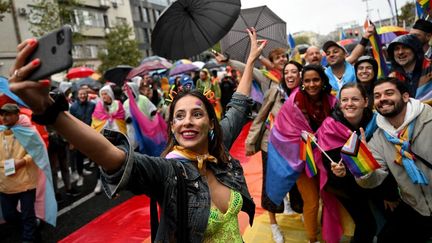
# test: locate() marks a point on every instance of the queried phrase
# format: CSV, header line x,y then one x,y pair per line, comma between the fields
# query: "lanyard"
x,y
6,146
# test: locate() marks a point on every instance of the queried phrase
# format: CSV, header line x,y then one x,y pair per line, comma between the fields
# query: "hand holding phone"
x,y
54,51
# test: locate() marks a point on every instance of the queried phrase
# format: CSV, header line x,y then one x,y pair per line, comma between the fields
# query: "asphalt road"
x,y
73,212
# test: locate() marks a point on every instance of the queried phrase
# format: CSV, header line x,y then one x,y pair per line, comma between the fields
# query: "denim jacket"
x,y
155,177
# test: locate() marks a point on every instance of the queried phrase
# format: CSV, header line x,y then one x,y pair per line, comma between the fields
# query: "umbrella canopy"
x,y
79,72
147,66
212,64
199,64
117,74
188,27
162,60
268,26
388,33
86,81
182,66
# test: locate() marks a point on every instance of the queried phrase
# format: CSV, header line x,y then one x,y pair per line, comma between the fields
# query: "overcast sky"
x,y
322,16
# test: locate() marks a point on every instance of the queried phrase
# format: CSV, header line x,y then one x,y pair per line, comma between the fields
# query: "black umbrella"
x,y
268,26
86,81
118,74
188,27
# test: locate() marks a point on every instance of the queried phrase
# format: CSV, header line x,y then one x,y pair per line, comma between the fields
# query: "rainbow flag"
x,y
306,154
425,5
377,53
357,157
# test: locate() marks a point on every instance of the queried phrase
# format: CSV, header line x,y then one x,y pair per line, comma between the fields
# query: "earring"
x,y
211,135
302,87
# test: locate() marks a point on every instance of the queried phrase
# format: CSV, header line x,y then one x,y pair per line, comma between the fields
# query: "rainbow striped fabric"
x,y
425,4
377,52
357,157
306,154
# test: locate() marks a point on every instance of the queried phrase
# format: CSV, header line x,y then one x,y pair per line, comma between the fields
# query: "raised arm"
x,y
360,47
36,96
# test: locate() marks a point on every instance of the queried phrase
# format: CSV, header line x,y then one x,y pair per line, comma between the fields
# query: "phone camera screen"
x,y
60,37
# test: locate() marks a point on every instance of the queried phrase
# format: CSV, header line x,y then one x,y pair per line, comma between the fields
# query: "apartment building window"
x,y
120,2
121,21
156,14
136,15
145,17
139,34
89,18
146,35
85,51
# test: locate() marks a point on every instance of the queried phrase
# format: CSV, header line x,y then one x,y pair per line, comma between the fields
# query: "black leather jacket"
x,y
155,177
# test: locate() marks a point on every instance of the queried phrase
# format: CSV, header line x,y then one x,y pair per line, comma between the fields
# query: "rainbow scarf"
x,y
357,157
306,154
29,138
150,134
377,53
284,163
182,153
404,156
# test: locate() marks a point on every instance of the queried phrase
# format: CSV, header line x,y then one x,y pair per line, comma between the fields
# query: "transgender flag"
x,y
357,157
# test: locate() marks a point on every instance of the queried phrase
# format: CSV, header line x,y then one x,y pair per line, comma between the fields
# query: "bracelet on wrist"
x,y
51,113
364,41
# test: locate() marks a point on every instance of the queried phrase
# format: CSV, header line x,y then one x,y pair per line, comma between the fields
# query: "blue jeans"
x,y
27,217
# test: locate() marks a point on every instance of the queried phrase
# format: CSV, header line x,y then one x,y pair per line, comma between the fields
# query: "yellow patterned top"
x,y
224,227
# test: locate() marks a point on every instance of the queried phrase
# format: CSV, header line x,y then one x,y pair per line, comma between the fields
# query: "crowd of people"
x,y
171,143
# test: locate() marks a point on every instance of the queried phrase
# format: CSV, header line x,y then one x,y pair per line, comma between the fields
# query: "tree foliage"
x,y
120,49
4,8
49,15
407,14
301,40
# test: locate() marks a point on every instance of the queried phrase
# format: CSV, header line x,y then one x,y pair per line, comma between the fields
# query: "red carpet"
x,y
130,221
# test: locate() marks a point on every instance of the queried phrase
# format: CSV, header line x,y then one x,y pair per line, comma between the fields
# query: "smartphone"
x,y
55,53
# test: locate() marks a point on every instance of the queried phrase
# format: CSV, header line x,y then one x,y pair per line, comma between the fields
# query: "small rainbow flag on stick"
x,y
357,157
306,153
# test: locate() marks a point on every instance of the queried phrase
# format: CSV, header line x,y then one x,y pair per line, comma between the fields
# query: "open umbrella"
x,y
182,66
117,74
268,26
159,59
188,27
388,33
79,72
86,81
147,66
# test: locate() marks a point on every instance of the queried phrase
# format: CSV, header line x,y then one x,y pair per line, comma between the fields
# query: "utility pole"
x,y
368,10
396,10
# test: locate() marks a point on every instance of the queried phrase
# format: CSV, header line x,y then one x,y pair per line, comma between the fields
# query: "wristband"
x,y
51,113
364,41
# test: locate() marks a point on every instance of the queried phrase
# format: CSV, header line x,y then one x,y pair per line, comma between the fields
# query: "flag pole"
x,y
322,150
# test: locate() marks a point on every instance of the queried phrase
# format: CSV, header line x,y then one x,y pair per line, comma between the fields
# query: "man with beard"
x,y
423,30
401,145
409,65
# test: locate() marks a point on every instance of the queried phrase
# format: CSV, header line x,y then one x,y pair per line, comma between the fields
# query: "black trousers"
x,y
27,217
406,225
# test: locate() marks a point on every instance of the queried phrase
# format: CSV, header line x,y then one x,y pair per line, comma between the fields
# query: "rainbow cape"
x,y
357,157
29,138
284,164
306,154
100,117
377,53
150,134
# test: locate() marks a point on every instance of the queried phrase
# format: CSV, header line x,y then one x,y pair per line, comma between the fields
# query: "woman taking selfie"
x,y
214,188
